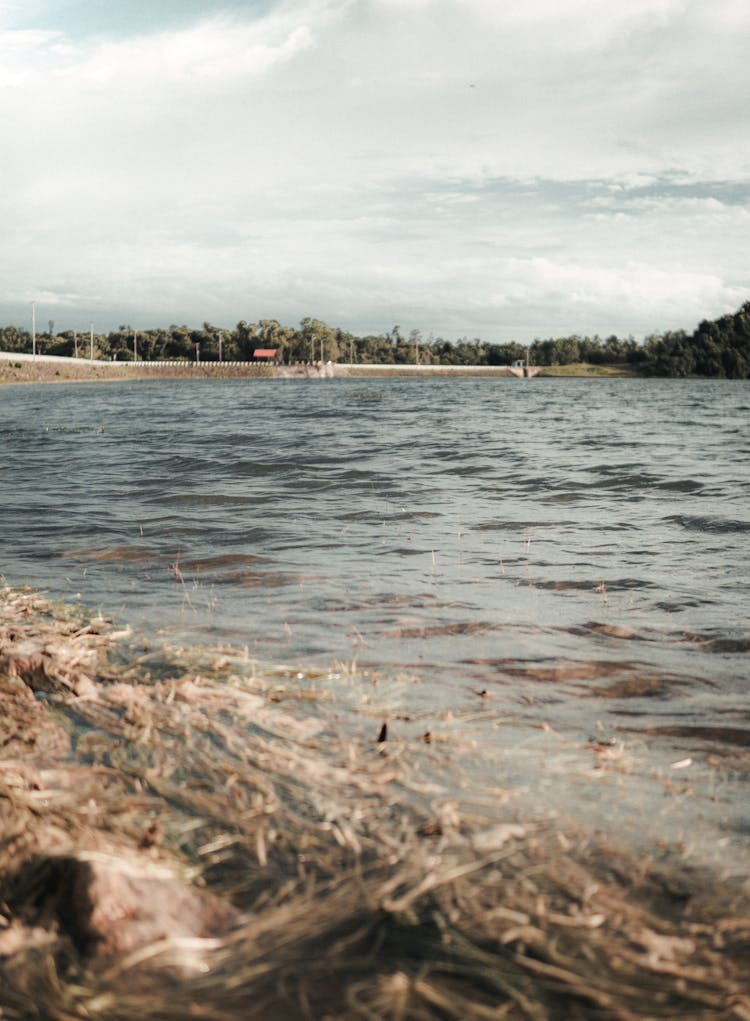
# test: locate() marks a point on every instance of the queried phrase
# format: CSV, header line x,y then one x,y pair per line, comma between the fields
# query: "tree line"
x,y
720,348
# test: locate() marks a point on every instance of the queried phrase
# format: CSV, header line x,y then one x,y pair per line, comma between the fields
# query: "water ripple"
x,y
481,535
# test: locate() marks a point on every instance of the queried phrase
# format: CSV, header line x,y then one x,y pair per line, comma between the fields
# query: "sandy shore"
x,y
183,836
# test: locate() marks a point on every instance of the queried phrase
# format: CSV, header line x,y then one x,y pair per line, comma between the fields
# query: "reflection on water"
x,y
506,537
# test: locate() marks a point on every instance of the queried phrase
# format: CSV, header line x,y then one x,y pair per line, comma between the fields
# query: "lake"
x,y
537,557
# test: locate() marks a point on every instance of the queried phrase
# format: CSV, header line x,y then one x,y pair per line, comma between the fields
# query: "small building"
x,y
265,354
519,364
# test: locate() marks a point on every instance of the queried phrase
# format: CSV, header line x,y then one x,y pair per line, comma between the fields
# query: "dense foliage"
x,y
720,348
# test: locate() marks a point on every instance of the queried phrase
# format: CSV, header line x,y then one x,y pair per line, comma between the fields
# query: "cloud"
x,y
217,50
431,159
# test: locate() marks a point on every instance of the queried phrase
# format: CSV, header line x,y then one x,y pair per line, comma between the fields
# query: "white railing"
x,y
16,356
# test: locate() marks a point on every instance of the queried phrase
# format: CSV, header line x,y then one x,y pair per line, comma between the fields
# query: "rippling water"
x,y
577,550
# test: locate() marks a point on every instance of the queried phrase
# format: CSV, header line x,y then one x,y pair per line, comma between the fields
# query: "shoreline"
x,y
27,371
188,835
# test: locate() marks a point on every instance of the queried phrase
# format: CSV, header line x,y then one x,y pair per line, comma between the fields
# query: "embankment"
x,y
48,369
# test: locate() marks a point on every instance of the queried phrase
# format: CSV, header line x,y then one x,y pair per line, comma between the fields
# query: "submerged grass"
x,y
183,836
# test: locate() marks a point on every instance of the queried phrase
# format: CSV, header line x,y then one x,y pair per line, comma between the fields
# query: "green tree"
x,y
244,339
14,339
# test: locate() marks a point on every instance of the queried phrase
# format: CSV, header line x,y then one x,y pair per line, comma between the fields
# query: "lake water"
x,y
573,553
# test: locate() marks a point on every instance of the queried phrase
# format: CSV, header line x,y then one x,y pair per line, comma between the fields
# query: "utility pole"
x,y
221,339
33,328
135,345
75,343
91,349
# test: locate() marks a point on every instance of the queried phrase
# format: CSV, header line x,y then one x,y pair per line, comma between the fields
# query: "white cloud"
x,y
384,158
217,50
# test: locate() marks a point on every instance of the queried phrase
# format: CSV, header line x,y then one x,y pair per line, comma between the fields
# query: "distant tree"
x,y
244,338
63,344
14,339
179,344
718,348
347,345
506,354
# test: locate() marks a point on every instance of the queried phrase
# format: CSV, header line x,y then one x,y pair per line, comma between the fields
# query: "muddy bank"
x,y
184,835
68,372
64,371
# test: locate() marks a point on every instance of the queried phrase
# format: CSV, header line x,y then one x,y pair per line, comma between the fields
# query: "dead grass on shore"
x,y
429,372
184,838
588,371
67,372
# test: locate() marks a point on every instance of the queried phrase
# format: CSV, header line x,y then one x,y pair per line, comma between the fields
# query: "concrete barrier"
x,y
328,369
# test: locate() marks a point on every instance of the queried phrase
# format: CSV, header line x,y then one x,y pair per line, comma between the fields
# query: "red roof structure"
x,y
264,352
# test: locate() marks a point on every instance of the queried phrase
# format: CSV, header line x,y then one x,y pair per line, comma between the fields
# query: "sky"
x,y
502,169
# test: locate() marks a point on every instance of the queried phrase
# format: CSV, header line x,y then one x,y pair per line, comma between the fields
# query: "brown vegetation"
x,y
69,372
182,837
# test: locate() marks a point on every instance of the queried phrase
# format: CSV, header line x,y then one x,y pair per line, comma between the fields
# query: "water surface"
x,y
573,553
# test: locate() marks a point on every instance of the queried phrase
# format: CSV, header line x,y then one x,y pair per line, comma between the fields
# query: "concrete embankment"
x,y
15,368
24,368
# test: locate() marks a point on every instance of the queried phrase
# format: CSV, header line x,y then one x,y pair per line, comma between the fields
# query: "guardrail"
x,y
16,356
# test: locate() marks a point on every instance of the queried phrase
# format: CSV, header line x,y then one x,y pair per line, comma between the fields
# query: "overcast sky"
x,y
507,169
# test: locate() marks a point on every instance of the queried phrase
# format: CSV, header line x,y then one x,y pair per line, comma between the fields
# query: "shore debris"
x,y
180,841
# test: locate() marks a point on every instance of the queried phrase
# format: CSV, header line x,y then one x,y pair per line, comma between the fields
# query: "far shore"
x,y
48,369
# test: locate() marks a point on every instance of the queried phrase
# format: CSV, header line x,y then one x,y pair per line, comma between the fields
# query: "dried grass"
x,y
198,842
